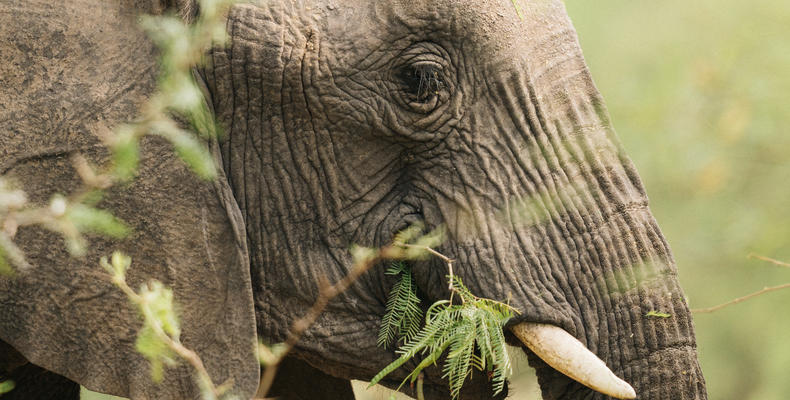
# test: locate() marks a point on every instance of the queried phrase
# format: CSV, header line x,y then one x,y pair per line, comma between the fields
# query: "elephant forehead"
x,y
499,32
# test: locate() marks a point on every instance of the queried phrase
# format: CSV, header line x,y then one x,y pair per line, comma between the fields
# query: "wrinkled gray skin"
x,y
330,140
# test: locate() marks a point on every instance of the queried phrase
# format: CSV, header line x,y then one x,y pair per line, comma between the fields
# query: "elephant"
x,y
344,123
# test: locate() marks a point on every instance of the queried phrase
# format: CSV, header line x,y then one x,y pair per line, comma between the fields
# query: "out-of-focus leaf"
x,y
11,199
268,355
202,121
171,35
11,256
125,153
6,386
405,236
433,238
118,264
76,245
182,93
155,351
5,267
195,155
362,254
159,300
88,219
658,314
189,148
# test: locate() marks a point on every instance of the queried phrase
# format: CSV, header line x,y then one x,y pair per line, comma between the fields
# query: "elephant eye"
x,y
423,80
423,85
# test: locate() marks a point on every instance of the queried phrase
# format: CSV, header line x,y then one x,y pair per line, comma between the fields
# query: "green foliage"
x,y
470,332
11,200
158,311
6,386
658,314
155,351
189,148
518,9
89,219
403,316
182,46
125,153
5,267
271,355
160,322
118,265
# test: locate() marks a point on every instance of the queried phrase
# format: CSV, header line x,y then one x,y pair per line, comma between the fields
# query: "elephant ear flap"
x,y
70,74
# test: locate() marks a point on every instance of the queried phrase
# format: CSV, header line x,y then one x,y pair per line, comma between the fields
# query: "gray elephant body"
x,y
344,123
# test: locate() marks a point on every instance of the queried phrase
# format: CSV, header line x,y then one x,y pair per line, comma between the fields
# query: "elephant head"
x,y
344,122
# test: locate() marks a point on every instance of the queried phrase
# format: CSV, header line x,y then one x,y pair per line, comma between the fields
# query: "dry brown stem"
x,y
190,356
751,295
326,293
741,299
770,260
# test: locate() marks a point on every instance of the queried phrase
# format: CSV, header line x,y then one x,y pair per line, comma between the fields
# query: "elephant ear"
x,y
70,71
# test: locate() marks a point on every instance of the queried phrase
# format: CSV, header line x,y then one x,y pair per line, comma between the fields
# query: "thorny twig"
x,y
770,260
740,299
764,290
326,293
449,261
174,344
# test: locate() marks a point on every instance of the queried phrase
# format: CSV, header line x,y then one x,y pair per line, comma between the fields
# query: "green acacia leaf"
x,y
125,153
658,314
403,316
89,219
155,351
458,329
5,267
191,150
6,386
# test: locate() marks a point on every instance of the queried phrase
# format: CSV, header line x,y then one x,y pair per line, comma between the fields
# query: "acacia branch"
x,y
326,293
449,261
740,299
770,260
173,344
751,295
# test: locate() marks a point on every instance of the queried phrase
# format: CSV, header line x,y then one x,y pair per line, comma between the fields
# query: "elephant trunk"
x,y
551,215
614,288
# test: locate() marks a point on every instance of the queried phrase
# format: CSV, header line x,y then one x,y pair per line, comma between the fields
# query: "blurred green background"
x,y
699,92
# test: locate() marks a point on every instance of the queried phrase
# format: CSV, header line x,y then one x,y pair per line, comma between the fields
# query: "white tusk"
x,y
566,354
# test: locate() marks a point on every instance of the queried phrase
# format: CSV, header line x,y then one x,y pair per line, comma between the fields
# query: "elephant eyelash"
x,y
423,80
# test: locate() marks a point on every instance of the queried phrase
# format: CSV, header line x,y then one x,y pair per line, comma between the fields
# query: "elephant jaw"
x,y
566,354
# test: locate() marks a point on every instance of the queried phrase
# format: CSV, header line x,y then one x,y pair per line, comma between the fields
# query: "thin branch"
x,y
328,292
770,260
190,356
741,299
420,381
325,295
449,261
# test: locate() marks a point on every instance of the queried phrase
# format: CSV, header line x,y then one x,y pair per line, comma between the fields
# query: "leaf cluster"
x,y
404,315
159,313
471,335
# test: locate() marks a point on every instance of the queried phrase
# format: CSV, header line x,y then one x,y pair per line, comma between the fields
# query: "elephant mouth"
x,y
559,349
568,355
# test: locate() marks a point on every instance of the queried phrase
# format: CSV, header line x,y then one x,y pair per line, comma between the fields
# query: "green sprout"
x,y
471,333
